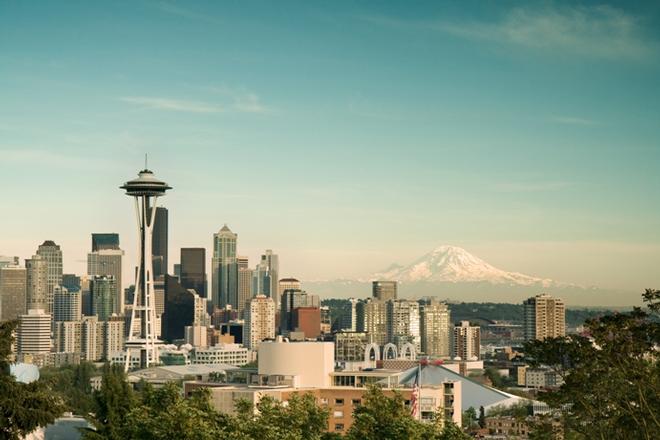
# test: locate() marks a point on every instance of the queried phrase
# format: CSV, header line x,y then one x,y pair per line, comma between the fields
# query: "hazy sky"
x,y
343,135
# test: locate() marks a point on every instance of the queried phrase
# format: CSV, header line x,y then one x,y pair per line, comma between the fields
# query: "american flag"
x,y
414,398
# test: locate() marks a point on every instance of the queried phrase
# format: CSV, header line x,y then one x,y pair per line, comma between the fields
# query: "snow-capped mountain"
x,y
456,265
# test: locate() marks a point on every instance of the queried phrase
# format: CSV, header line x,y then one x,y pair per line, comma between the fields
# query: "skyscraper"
x,y
37,283
372,319
34,332
179,309
259,321
66,305
106,259
348,317
193,270
146,189
13,292
104,295
53,256
245,275
101,241
435,328
225,269
467,340
266,276
403,323
544,317
160,237
384,290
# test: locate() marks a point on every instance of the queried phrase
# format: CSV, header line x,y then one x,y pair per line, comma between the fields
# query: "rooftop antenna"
x,y
145,161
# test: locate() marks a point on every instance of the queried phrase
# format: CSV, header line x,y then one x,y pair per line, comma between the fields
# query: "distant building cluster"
x,y
171,324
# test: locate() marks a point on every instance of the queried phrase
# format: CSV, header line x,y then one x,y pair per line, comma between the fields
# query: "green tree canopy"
x,y
612,374
23,407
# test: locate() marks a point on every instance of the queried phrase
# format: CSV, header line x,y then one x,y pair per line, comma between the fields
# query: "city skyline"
x,y
394,132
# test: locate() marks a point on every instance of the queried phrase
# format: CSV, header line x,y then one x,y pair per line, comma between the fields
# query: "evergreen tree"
x,y
23,407
611,377
482,417
113,402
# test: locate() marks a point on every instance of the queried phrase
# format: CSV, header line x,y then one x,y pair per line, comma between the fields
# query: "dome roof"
x,y
145,185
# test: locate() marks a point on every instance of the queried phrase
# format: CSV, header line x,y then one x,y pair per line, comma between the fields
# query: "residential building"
x,y
224,269
231,354
308,321
34,332
52,253
68,336
403,323
350,346
13,291
384,290
66,305
37,283
372,319
467,341
435,329
259,321
544,317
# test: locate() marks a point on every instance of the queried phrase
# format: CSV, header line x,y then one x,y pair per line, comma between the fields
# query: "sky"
x,y
345,136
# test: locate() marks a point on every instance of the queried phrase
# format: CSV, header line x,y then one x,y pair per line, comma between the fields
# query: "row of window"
x,y
340,402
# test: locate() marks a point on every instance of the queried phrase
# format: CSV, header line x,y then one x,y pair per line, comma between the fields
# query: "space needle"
x,y
142,334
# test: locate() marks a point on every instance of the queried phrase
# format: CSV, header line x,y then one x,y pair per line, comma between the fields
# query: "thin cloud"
x,y
242,100
599,31
172,104
521,187
573,120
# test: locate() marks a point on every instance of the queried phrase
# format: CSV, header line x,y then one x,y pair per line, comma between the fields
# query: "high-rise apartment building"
x,y
372,319
435,328
403,322
104,294
13,292
467,341
159,244
288,284
113,336
266,276
34,332
384,290
245,275
193,270
544,317
91,345
107,260
68,336
52,253
66,305
37,283
259,321
225,269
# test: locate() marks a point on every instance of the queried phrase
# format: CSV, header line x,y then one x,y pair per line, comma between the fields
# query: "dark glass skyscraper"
x,y
105,241
193,270
159,247
179,309
384,290
225,269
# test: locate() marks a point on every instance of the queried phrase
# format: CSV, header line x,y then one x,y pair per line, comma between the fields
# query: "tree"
x,y
482,417
24,407
469,417
611,377
72,382
164,414
113,402
298,419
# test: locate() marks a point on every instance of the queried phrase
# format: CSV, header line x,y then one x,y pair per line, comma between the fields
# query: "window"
x,y
339,401
356,402
339,426
338,414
